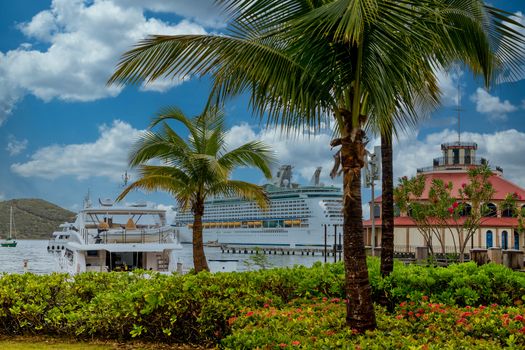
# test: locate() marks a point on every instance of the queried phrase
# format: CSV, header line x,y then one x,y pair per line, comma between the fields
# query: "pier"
x,y
329,251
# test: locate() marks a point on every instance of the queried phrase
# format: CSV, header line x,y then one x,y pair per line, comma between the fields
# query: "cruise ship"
x,y
296,217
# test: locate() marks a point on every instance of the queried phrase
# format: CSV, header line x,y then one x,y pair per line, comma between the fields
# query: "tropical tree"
x,y
195,168
436,207
304,62
512,205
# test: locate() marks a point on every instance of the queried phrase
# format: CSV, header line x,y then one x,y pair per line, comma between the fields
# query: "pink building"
x,y
499,229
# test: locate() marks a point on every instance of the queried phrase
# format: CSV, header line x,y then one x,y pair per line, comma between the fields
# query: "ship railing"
x,y
143,235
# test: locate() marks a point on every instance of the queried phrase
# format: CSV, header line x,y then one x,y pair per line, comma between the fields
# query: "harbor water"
x,y
32,256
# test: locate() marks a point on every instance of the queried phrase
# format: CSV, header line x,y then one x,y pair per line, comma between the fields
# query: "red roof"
x,y
404,221
501,185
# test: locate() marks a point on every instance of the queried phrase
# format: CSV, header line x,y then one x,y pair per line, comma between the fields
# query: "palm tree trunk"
x,y
199,259
360,310
387,205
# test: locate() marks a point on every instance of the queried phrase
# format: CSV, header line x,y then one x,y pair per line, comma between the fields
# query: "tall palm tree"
x,y
193,169
306,61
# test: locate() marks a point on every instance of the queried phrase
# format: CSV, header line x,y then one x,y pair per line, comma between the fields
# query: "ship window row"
x,y
258,212
275,202
256,209
266,214
253,224
240,208
244,217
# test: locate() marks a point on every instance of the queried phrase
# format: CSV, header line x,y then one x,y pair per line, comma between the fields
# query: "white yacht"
x,y
296,217
116,238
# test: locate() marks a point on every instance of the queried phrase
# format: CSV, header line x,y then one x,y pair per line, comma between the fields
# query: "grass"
x,y
48,343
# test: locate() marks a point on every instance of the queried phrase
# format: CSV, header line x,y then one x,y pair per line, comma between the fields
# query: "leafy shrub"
x,y
319,324
200,308
461,284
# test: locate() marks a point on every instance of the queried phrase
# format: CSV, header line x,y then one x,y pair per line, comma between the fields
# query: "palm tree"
x,y
196,168
305,61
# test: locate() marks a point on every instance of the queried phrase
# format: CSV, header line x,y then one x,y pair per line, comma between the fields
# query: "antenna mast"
x,y
458,108
125,179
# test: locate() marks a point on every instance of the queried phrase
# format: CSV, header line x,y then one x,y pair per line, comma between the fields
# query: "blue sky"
x,y
63,131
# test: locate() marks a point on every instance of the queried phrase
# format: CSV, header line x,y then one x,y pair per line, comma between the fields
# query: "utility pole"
x,y
372,171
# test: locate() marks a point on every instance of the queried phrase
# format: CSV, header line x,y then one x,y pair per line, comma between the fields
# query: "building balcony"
x,y
457,144
452,163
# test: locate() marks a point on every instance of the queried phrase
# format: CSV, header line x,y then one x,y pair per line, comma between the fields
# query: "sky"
x,y
64,132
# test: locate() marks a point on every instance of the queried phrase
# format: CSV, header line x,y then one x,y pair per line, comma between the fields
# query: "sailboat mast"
x,y
10,222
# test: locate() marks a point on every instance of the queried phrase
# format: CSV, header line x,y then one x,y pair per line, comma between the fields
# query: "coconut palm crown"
x,y
195,168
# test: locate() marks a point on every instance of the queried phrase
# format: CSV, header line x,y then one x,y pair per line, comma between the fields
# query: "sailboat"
x,y
10,241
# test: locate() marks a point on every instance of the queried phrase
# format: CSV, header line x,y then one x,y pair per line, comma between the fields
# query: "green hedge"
x,y
197,308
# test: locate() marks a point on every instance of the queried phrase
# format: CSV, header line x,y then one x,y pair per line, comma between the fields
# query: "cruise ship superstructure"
x,y
116,238
296,215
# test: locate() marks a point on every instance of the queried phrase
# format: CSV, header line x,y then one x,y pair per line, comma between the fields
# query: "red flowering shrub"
x,y
317,324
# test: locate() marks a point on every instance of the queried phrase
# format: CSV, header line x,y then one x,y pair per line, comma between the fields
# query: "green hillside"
x,y
34,218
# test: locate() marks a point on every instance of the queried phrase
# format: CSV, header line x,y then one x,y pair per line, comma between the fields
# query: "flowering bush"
x,y
503,324
319,324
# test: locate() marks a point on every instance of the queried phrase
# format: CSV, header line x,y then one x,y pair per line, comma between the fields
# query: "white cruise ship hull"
x,y
284,237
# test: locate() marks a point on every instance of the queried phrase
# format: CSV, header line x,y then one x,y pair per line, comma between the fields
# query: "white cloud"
x,y
2,196
492,105
163,84
14,146
106,157
204,12
304,152
503,148
42,26
448,85
85,41
366,210
170,212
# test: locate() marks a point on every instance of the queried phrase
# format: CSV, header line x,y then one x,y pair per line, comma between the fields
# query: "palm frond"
x,y
154,183
174,113
254,153
241,189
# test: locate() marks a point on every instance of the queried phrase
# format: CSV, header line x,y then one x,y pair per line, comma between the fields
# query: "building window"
x,y
467,156
489,239
409,211
490,210
506,212
397,211
455,154
516,240
377,211
466,210
504,240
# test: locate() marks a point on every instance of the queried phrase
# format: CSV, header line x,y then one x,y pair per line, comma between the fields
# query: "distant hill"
x,y
34,218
